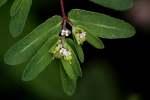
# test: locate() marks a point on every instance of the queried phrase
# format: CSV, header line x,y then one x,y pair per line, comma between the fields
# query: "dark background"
x,y
126,61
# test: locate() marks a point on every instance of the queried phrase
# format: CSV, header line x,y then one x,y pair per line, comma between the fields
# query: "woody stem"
x,y
62,9
63,14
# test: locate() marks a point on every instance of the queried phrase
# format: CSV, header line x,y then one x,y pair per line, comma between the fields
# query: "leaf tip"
x,y
133,31
8,60
25,78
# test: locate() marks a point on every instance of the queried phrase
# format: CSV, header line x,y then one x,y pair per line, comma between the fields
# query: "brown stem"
x,y
63,9
64,20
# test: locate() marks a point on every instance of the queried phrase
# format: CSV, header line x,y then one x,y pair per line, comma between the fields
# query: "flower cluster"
x,y
80,35
61,51
65,32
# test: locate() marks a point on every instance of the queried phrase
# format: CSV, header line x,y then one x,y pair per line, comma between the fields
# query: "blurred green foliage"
x,y
115,4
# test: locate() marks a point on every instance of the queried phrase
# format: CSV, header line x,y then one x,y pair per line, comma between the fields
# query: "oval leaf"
x,y
70,42
69,69
94,41
78,49
25,48
102,25
115,4
75,63
39,61
19,14
80,52
2,2
68,85
16,7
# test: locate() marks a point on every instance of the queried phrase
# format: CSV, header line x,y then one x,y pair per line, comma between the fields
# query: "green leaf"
x,y
115,4
70,42
77,48
19,13
94,41
16,7
72,69
101,25
40,60
25,48
80,52
68,85
76,65
2,2
69,69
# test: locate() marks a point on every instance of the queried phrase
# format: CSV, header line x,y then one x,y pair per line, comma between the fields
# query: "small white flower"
x,y
65,52
82,35
65,32
62,51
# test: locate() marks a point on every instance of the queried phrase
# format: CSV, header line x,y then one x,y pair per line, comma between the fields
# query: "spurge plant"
x,y
54,41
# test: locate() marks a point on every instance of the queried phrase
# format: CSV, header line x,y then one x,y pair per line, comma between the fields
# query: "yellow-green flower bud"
x,y
60,50
80,34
